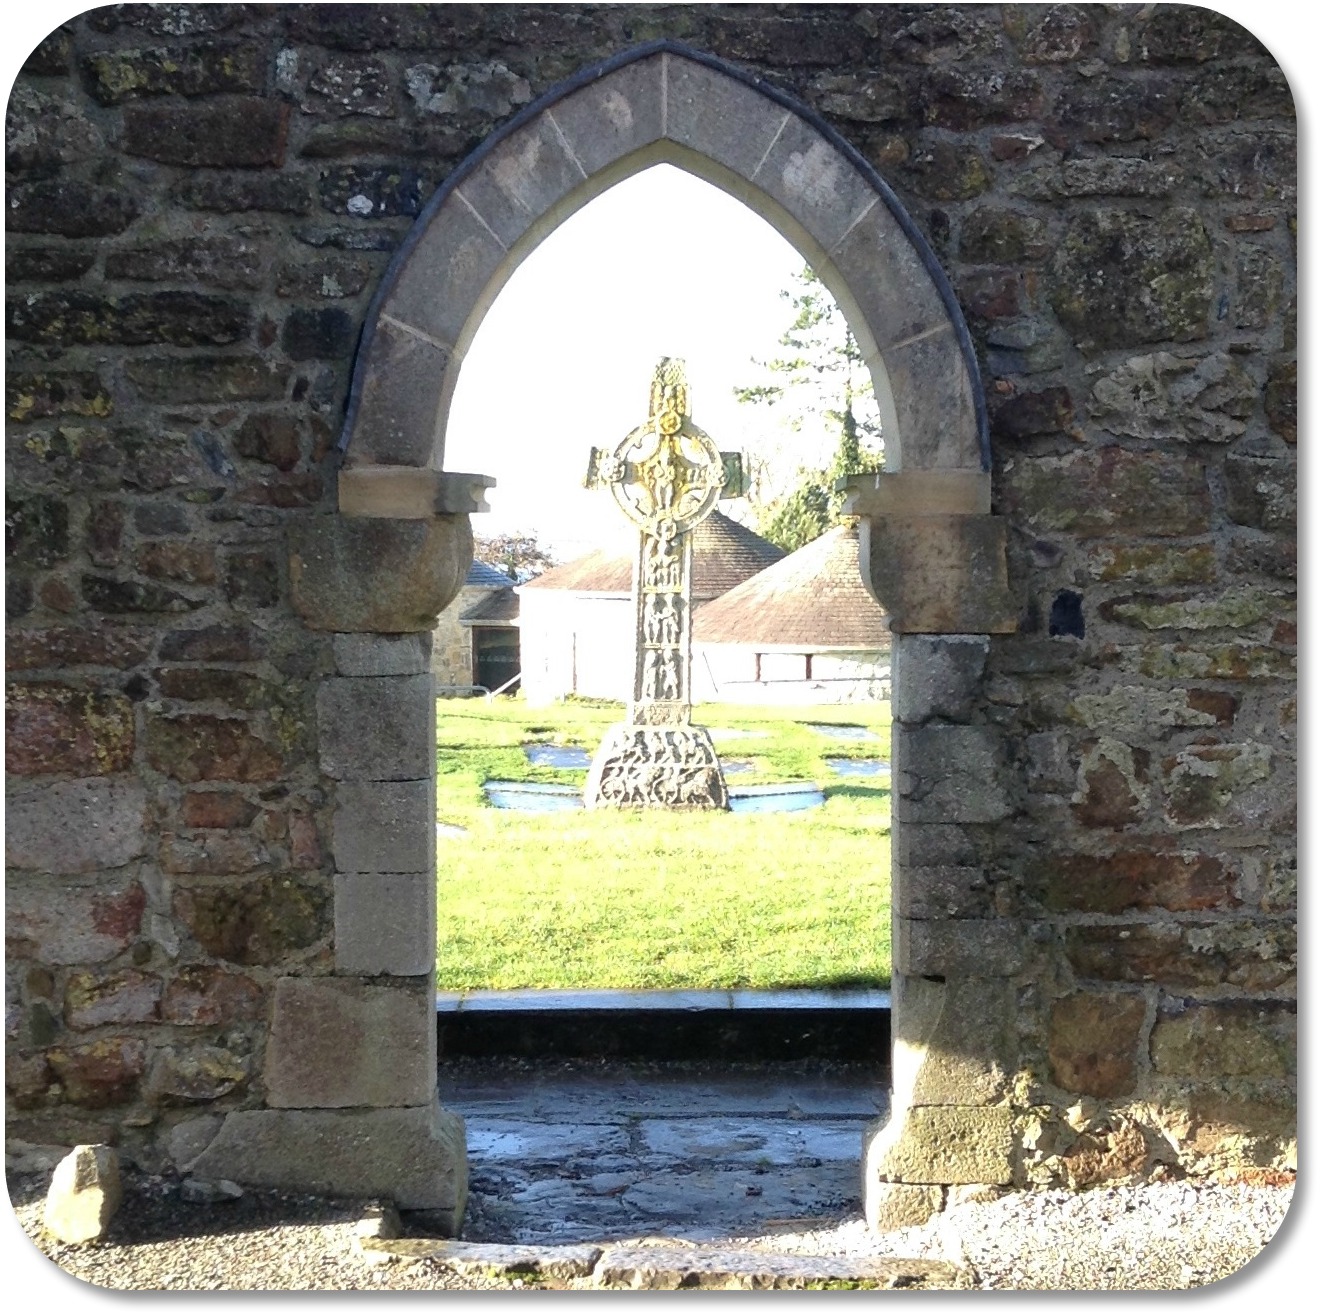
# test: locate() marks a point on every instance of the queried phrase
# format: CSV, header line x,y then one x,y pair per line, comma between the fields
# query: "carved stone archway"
x,y
378,573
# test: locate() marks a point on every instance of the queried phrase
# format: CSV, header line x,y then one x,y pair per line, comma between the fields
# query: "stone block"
x,y
202,995
885,273
947,774
222,262
719,118
337,1042
944,1144
55,729
385,924
376,728
445,275
944,892
1133,879
384,826
207,378
1211,609
184,1074
203,69
1253,956
70,208
378,191
611,118
1110,491
415,1157
74,826
382,655
265,920
934,410
1093,1043
399,402
919,844
954,1041
59,647
1163,282
817,185
1209,785
982,947
67,924
36,530
177,318
101,1073
890,1206
526,175
285,194
228,131
937,676
187,1140
1238,1039
323,333
85,1191
942,575
380,576
97,999
198,747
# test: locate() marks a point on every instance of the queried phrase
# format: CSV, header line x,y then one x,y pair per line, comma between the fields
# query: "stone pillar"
x,y
350,1066
934,558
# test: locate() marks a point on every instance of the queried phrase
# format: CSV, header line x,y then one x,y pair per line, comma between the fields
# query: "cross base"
x,y
673,767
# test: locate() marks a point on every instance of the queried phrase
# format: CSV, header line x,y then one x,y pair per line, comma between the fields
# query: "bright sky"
x,y
663,264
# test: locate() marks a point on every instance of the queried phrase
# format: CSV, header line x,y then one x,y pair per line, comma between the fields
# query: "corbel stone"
x,y
410,493
377,576
932,555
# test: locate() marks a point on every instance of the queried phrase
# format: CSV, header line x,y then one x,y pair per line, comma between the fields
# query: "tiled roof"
x,y
489,577
499,606
724,554
813,598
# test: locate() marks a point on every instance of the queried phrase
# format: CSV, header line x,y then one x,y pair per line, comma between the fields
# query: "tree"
x,y
520,556
820,389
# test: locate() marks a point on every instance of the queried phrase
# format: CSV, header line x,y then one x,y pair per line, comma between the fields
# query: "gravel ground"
x,y
1157,1236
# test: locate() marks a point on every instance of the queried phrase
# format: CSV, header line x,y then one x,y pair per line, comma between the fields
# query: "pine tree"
x,y
820,386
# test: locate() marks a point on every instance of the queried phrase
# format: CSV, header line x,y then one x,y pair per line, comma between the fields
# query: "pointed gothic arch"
x,y
665,103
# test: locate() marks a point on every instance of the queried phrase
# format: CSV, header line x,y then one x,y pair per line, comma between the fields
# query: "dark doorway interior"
x,y
495,656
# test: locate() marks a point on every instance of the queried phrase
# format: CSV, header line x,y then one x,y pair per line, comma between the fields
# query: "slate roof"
x,y
814,598
489,577
724,554
499,607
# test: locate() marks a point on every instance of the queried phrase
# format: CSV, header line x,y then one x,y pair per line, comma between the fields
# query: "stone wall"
x,y
451,641
1096,813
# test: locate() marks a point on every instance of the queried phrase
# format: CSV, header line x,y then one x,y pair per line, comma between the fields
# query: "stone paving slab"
x,y
744,1141
667,1268
493,1140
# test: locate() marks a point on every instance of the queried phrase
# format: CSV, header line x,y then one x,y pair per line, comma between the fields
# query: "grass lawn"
x,y
653,899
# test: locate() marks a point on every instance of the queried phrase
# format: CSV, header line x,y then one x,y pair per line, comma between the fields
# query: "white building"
x,y
577,622
801,631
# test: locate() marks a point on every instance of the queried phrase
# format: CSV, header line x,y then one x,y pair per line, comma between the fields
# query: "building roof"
x,y
724,554
490,577
497,608
814,598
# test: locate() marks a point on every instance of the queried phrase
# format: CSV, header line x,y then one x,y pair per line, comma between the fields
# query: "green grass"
x,y
653,899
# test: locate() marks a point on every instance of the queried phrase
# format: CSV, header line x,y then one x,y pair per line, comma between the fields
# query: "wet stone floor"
x,y
590,1151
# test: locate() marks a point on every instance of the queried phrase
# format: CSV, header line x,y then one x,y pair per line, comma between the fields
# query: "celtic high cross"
x,y
666,476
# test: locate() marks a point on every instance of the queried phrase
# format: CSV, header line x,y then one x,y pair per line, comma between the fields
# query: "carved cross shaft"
x,y
666,476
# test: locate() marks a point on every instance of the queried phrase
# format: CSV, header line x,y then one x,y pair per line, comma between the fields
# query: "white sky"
x,y
663,264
